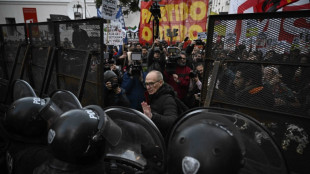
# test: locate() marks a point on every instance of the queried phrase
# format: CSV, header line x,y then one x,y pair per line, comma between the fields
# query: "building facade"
x,y
219,6
13,11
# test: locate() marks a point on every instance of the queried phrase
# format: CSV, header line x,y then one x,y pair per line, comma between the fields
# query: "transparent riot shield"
x,y
65,100
214,140
21,89
141,148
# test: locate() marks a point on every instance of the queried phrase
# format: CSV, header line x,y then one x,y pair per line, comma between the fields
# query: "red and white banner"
x,y
254,6
284,30
30,15
272,6
188,16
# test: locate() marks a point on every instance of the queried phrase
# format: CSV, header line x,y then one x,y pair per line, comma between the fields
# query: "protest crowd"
x,y
182,68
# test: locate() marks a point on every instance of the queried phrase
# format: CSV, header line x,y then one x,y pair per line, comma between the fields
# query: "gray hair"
x,y
272,69
159,75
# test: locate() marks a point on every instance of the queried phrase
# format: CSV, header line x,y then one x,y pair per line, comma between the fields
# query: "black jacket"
x,y
112,99
156,64
164,108
54,166
23,158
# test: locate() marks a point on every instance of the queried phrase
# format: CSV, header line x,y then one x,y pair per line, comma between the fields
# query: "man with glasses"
x,y
179,79
160,105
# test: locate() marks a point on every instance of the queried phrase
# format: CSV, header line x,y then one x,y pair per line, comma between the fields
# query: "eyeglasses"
x,y
151,84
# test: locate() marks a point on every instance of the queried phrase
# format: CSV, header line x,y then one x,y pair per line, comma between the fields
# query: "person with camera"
x,y
179,78
133,83
156,57
144,55
193,95
194,47
114,95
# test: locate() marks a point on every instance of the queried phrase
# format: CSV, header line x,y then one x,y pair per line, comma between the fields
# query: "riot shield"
x,y
65,100
205,140
141,148
21,89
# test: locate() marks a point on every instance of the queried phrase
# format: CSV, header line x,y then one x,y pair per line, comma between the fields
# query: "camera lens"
x,y
114,85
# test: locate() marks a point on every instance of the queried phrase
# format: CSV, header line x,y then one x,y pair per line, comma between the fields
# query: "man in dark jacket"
x,y
133,83
160,107
80,37
249,88
156,58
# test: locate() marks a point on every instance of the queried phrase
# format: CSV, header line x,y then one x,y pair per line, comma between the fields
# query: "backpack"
x,y
181,106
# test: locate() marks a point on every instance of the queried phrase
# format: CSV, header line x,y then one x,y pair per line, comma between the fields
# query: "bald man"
x,y
160,106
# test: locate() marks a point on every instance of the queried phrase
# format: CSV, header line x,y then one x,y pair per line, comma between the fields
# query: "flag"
x,y
120,17
254,6
271,5
99,14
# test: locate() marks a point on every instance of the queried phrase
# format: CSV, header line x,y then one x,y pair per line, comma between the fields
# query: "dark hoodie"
x,y
164,108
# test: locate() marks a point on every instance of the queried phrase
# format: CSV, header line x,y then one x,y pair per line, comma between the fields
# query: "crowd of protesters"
x,y
279,81
181,67
268,79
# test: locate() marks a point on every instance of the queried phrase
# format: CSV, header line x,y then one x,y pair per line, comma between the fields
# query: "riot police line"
x,y
59,135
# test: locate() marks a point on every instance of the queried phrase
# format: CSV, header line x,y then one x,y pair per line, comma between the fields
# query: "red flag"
x,y
272,5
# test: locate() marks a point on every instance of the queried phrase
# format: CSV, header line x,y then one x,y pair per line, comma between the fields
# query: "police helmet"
x,y
78,136
210,145
217,140
29,117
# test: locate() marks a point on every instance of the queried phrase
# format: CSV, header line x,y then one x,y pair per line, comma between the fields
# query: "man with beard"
x,y
160,105
179,79
249,88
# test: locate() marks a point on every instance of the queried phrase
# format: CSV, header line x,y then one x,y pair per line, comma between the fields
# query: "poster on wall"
x,y
30,16
188,16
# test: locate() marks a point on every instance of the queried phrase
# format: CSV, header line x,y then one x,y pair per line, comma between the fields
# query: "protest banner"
x,y
189,17
109,9
113,34
286,28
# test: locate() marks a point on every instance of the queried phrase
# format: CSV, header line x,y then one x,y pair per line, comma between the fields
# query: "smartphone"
x,y
186,39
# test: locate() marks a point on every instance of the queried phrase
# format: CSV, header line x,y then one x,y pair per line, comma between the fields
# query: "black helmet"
x,y
78,135
216,140
208,146
29,117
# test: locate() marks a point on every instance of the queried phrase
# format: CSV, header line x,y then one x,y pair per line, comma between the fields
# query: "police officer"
x,y
77,140
25,124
